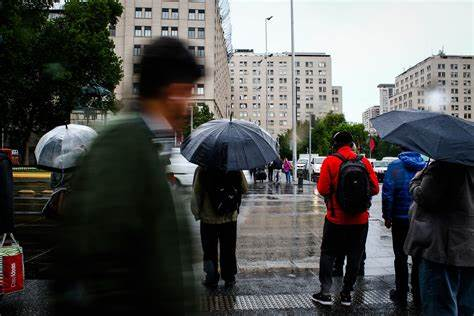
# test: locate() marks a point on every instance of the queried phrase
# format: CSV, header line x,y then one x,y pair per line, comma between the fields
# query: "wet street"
x,y
279,236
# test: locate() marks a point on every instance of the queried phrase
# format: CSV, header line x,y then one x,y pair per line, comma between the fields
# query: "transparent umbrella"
x,y
59,149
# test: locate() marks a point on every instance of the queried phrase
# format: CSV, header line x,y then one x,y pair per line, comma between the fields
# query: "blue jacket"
x,y
396,198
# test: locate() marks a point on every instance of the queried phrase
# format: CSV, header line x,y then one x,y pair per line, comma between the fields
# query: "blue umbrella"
x,y
439,136
229,145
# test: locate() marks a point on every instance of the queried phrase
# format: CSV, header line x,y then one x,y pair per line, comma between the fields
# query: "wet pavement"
x,y
279,236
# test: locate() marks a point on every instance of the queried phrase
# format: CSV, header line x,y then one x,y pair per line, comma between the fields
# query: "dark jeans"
x,y
270,174
226,236
340,240
339,262
446,290
399,234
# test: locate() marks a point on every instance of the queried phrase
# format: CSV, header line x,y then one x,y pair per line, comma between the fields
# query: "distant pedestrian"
x,y
396,201
216,201
287,168
347,182
270,168
442,233
125,249
277,165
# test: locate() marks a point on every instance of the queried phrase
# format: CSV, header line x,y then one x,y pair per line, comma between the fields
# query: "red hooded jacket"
x,y
327,184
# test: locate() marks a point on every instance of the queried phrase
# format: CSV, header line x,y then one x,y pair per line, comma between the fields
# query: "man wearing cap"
x,y
344,233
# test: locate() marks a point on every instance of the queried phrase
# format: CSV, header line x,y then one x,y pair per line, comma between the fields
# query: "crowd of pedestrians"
x,y
125,248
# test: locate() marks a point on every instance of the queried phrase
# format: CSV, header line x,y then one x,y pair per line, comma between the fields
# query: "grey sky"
x,y
370,42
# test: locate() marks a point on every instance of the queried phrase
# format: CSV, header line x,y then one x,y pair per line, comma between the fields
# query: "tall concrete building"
x,y
385,92
438,83
369,114
202,24
262,92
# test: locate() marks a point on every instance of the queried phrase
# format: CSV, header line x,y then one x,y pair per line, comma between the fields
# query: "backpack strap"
x,y
330,204
341,157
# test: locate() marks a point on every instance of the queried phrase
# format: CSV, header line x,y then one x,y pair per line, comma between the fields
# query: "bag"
x,y
225,195
353,187
54,208
12,276
260,175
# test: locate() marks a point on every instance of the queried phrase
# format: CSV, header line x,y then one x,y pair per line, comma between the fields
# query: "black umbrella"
x,y
229,145
437,135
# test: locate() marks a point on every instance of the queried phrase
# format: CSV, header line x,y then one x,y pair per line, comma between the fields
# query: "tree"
x,y
201,115
46,63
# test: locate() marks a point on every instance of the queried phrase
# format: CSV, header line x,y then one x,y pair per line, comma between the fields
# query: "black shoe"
x,y
398,297
346,298
322,299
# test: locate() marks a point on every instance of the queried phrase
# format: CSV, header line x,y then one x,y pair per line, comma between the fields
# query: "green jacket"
x,y
201,204
124,248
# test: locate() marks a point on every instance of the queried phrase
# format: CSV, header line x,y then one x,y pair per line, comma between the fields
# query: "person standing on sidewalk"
x,y
287,168
216,201
442,233
347,182
396,201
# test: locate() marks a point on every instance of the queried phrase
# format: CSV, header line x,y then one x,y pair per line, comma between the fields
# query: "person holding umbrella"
x,y
222,148
441,230
216,201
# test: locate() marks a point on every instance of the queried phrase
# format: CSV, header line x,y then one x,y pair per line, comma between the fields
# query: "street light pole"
x,y
310,149
293,89
266,71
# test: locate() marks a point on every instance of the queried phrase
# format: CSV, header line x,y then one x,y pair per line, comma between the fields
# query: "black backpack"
x,y
225,193
353,187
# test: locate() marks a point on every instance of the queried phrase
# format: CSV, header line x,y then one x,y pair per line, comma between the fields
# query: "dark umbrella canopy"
x,y
437,135
229,145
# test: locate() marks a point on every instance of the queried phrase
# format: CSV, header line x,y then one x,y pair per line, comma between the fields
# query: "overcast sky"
x,y
370,42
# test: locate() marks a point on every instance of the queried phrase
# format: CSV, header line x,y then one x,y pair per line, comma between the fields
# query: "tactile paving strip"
x,y
223,303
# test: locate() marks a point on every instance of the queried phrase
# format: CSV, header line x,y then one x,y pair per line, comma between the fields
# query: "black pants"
x,y
270,174
339,262
337,241
399,234
226,236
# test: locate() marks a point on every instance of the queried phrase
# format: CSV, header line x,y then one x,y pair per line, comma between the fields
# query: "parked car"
x,y
380,167
180,171
316,164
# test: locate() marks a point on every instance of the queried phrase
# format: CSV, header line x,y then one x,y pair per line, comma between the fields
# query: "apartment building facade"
x,y
386,91
370,113
199,23
262,92
438,83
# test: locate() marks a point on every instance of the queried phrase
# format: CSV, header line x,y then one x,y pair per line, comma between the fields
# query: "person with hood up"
x,y
396,201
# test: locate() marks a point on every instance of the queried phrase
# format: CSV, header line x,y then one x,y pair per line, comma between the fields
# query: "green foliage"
x,y
321,138
46,63
201,115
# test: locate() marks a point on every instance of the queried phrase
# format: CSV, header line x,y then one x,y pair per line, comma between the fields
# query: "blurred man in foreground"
x,y
123,248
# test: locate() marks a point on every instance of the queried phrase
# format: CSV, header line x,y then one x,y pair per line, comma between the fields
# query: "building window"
x,y
200,89
454,66
192,49
138,13
165,13
466,66
174,31
192,14
174,14
112,30
441,66
147,31
136,88
322,80
138,31
191,32
201,15
201,32
322,98
137,50
309,64
309,72
136,68
165,31
147,13
322,65
322,72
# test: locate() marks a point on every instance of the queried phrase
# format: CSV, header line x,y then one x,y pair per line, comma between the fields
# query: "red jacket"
x,y
327,187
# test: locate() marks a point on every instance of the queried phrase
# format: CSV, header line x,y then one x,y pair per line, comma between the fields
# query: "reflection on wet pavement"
x,y
280,228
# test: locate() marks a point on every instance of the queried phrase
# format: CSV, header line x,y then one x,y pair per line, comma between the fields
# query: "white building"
x,y
262,91
438,83
386,91
369,114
